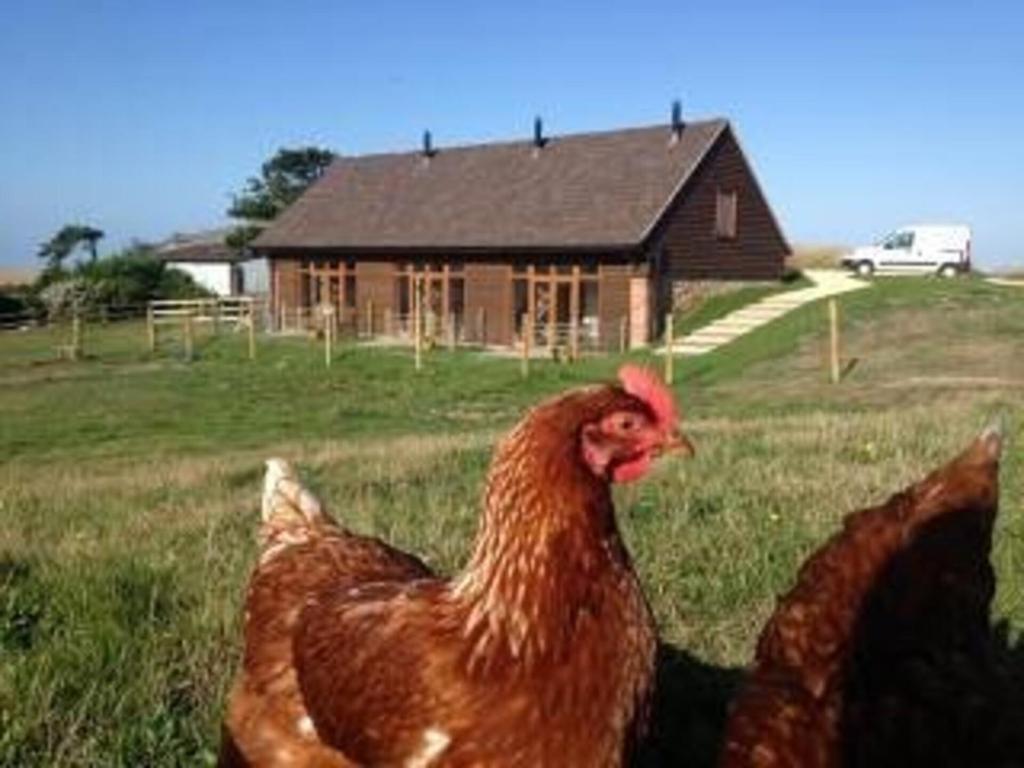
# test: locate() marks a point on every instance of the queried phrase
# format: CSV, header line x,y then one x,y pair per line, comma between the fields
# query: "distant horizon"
x,y
859,118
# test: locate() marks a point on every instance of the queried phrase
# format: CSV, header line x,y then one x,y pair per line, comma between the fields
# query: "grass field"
x,y
129,489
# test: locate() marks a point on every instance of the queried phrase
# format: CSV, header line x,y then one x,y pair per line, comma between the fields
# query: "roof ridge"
x,y
528,141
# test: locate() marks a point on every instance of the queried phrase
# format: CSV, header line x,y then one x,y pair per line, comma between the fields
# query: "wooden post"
x,y
328,334
833,322
369,318
187,328
389,323
623,330
417,322
481,325
527,325
252,332
76,336
216,316
574,339
669,358
450,335
282,321
151,328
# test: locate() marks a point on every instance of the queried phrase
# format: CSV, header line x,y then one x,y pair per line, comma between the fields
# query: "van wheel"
x,y
947,270
865,269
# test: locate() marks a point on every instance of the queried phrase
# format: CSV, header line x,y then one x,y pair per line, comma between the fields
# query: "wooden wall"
x,y
375,281
613,302
489,287
686,240
286,279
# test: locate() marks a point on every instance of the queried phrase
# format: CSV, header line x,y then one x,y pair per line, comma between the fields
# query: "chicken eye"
x,y
627,423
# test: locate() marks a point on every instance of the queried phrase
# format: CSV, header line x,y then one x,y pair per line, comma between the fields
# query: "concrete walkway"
x,y
1012,282
827,282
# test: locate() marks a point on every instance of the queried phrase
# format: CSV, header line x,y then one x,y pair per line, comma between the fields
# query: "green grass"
x,y
129,489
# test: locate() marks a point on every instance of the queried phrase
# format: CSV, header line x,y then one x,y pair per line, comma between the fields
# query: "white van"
x,y
944,249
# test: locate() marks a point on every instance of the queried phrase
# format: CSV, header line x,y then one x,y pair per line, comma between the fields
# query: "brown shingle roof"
x,y
198,246
584,190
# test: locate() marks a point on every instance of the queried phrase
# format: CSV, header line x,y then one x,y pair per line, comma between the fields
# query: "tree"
x,y
282,179
68,238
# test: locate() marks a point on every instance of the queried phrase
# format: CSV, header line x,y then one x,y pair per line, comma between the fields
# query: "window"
x,y
899,241
328,281
350,291
725,215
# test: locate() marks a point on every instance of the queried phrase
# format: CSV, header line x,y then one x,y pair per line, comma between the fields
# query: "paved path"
x,y
827,282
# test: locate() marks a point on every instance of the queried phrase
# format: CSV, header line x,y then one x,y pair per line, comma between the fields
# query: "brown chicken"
x,y
540,653
883,653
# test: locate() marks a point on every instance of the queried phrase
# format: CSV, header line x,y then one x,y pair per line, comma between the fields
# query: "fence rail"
x,y
105,313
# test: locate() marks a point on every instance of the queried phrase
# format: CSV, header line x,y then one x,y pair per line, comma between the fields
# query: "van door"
x,y
897,251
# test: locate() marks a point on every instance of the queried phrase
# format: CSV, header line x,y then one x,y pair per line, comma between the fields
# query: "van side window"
x,y
899,241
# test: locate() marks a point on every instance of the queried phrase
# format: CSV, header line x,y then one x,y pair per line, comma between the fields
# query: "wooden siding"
x,y
286,277
613,302
375,281
489,288
685,240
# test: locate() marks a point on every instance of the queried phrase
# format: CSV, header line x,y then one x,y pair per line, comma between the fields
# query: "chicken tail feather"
x,y
290,512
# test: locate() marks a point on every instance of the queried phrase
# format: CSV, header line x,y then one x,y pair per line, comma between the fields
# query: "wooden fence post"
x,y
669,357
328,334
524,363
187,328
450,331
369,318
481,325
833,321
623,330
76,336
417,323
574,339
151,328
252,332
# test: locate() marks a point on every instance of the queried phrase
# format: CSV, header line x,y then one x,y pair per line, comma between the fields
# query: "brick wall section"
x,y
691,249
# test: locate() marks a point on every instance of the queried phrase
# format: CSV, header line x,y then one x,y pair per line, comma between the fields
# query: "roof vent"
x,y
539,140
677,120
428,146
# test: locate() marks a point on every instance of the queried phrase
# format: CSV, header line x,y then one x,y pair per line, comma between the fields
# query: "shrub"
x,y
133,276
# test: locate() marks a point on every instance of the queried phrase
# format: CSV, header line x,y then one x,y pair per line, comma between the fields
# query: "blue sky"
x,y
143,117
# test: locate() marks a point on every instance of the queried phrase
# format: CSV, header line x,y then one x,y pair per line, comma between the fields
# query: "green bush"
x,y
133,276
11,304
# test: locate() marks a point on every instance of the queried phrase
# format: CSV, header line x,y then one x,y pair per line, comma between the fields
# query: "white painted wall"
x,y
213,277
255,277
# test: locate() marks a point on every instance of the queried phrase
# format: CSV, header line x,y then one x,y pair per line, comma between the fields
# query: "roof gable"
x,y
584,191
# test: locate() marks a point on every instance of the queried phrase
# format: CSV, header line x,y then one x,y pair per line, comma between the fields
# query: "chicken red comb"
x,y
644,384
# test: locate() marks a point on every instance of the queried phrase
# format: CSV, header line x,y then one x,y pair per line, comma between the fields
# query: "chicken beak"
x,y
676,441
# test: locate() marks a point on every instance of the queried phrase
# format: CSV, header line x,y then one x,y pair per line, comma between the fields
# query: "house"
x,y
589,230
214,265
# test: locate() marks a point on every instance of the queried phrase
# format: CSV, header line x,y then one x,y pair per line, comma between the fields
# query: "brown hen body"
x,y
541,653
883,653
